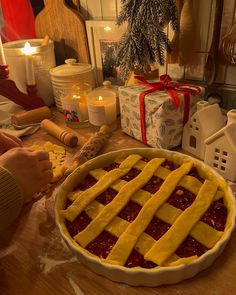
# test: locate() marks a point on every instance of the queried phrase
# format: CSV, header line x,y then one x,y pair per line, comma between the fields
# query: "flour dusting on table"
x,y
75,287
47,264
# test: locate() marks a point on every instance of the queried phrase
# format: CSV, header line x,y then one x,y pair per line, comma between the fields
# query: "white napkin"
x,y
7,109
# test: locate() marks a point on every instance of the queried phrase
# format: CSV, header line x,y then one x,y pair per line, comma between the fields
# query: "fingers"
x,y
8,142
14,138
46,169
39,158
45,165
48,175
42,155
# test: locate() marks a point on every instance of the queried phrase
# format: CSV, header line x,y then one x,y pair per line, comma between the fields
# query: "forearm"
x,y
11,200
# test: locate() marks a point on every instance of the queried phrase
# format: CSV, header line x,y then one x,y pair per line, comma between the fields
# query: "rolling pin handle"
x,y
65,136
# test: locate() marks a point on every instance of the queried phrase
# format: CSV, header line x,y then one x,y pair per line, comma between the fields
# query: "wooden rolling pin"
x,y
90,149
65,136
31,117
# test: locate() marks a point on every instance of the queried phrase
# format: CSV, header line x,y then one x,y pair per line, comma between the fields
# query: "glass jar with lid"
x,y
74,105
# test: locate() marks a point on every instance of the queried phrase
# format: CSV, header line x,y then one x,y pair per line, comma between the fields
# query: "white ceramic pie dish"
x,y
140,276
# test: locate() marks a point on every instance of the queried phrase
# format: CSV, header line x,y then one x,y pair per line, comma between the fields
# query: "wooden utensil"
x,y
227,45
63,24
31,117
65,136
90,149
211,63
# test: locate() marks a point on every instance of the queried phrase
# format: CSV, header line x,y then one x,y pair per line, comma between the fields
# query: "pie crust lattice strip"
x,y
145,210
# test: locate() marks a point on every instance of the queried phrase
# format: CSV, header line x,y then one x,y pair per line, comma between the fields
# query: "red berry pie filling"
x,y
168,203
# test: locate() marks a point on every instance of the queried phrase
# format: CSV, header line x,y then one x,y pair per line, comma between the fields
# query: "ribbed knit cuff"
x,y
11,200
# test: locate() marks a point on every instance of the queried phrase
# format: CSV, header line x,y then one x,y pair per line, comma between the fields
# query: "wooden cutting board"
x,y
66,27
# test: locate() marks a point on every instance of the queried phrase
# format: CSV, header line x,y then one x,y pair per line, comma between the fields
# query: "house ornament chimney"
x,y
202,104
231,115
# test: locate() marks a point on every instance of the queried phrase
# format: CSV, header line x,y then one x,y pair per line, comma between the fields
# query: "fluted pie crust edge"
x,y
140,276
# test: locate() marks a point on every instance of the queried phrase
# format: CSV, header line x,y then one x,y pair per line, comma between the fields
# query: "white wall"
x,y
109,9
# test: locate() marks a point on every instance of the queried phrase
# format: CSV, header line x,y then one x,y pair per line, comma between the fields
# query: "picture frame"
x,y
103,38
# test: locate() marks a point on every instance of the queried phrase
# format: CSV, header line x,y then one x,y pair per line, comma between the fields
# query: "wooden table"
x,y
34,259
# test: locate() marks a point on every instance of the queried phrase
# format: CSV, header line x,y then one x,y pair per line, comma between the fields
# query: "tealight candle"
x,y
2,55
102,108
29,65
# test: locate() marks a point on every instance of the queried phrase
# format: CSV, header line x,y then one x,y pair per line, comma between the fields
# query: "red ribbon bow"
x,y
173,89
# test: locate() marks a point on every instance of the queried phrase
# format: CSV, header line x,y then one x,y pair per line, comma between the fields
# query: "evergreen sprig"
x,y
145,41
129,10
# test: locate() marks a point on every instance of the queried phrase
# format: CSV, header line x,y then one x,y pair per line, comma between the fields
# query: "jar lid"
x,y
108,86
71,67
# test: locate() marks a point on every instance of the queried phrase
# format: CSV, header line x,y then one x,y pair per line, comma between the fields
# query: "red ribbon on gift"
x,y
173,89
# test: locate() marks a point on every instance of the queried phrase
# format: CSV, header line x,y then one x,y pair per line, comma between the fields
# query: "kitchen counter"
x,y
35,260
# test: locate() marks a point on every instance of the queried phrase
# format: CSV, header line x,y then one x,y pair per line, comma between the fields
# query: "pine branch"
x,y
128,11
158,42
174,15
154,11
145,41
130,53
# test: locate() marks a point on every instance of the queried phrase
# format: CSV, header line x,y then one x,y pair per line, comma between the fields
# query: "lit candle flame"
x,y
28,50
107,28
76,96
100,98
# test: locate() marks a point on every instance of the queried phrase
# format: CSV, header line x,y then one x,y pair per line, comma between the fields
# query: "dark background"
x,y
38,5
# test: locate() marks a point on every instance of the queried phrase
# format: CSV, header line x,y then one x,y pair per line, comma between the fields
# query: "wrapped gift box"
x,y
163,121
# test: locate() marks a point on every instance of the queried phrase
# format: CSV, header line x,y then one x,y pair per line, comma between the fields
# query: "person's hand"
x,y
32,169
8,141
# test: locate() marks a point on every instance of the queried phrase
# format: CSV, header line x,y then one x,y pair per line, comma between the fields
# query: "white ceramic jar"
x,y
64,77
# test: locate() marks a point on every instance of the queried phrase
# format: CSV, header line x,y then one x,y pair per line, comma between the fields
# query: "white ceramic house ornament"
x,y
204,122
221,149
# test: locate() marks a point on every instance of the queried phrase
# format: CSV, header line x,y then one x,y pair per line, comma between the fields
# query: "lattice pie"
x,y
145,210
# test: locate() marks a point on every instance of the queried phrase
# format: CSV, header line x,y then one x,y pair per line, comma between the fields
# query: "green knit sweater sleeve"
x,y
11,200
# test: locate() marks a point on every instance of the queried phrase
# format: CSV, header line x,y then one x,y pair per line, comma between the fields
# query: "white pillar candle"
x,y
29,65
102,107
2,55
